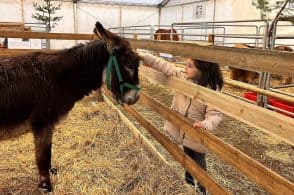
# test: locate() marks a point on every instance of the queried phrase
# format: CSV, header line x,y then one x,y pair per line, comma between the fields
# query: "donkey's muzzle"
x,y
131,97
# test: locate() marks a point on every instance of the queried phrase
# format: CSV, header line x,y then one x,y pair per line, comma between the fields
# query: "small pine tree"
x,y
44,13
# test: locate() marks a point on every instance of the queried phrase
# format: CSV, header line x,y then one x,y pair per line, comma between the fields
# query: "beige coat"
x,y
192,109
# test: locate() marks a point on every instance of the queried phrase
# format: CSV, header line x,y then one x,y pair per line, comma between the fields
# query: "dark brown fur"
x,y
38,89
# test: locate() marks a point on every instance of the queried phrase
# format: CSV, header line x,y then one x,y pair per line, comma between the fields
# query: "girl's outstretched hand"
x,y
141,56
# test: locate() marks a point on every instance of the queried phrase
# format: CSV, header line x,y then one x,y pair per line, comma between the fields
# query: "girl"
x,y
203,73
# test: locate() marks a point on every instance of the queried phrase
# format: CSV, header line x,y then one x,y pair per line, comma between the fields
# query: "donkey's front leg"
x,y
43,143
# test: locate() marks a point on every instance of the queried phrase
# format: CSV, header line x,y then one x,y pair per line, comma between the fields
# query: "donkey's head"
x,y
122,69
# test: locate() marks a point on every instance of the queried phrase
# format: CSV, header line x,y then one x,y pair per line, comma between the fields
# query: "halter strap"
x,y
112,60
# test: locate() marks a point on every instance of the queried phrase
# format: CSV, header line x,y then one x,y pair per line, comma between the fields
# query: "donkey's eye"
x,y
130,66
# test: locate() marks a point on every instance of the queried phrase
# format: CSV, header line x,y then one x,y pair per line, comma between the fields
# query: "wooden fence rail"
x,y
22,51
41,35
275,62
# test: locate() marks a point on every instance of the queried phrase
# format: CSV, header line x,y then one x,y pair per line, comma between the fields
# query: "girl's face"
x,y
190,70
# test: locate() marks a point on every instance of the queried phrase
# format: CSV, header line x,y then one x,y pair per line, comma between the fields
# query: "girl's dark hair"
x,y
210,74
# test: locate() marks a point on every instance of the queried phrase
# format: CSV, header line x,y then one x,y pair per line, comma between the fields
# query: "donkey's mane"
x,y
11,66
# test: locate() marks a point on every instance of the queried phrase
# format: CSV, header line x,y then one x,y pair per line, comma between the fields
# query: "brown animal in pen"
x,y
38,89
165,34
241,74
286,80
248,76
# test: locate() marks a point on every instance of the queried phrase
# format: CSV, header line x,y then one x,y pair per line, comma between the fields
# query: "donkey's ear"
x,y
97,35
101,33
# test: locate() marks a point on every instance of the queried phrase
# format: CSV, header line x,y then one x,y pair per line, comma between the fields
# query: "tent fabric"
x,y
150,2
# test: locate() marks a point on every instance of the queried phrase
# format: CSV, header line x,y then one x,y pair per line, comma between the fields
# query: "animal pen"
x,y
272,123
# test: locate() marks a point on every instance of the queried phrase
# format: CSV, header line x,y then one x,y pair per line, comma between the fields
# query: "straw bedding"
x,y
94,153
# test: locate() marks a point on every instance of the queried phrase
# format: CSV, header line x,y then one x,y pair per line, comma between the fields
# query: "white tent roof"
x,y
135,1
139,2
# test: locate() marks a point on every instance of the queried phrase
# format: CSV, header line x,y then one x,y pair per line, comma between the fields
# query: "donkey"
x,y
248,76
38,89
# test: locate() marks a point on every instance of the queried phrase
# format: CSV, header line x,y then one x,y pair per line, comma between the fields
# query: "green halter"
x,y
112,60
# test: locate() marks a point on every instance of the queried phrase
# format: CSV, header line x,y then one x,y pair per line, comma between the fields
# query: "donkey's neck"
x,y
91,59
94,54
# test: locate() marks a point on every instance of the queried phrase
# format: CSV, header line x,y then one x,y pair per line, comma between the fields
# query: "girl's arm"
x,y
160,65
212,119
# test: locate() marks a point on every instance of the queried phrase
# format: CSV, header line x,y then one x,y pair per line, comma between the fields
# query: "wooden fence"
x,y
255,171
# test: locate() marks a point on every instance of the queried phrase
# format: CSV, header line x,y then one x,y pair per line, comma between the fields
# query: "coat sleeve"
x,y
161,65
212,119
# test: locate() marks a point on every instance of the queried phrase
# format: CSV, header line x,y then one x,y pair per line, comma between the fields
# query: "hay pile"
x,y
94,153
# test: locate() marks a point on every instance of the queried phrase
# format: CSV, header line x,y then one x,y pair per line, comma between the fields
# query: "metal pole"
x,y
263,77
75,18
22,11
271,43
151,32
120,21
159,17
213,17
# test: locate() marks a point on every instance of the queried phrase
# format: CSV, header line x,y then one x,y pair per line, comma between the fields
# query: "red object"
x,y
250,96
273,102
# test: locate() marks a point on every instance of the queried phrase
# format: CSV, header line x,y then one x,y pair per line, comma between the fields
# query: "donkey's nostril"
x,y
131,97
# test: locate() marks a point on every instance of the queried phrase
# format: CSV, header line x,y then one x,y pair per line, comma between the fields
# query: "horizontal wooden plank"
x,y
11,24
41,35
4,51
255,171
275,62
268,121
